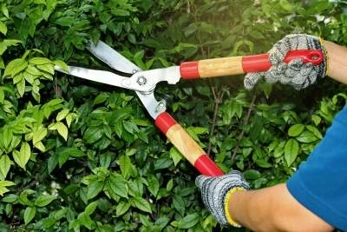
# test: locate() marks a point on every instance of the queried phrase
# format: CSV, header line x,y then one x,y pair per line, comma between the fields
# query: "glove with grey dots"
x,y
215,189
296,73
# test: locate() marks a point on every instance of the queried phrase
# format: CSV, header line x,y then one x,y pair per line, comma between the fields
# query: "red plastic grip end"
x,y
164,121
190,70
261,63
256,63
207,167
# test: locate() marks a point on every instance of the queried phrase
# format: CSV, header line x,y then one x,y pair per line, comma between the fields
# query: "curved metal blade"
x,y
112,58
100,76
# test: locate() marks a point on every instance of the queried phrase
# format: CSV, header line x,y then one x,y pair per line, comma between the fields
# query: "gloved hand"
x,y
217,191
295,73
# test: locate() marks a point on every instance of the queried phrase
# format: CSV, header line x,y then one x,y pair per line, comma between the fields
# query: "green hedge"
x,y
80,156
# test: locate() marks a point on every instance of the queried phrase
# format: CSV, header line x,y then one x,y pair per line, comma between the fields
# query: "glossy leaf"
x,y
15,66
296,130
44,200
29,214
141,204
5,165
22,157
291,151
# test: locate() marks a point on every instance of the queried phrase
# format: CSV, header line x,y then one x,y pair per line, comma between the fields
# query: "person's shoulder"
x,y
341,116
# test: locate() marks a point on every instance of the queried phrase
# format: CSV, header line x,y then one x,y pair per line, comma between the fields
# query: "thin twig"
x,y
217,100
245,122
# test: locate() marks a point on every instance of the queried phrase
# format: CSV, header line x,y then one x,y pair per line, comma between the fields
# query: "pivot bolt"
x,y
141,80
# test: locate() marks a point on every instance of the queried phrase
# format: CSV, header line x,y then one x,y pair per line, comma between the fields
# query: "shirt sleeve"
x,y
320,183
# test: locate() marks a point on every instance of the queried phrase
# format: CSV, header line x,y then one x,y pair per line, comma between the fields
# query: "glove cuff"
x,y
326,55
226,206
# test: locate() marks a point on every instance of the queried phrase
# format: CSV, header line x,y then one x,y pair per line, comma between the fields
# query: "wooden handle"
x,y
186,145
242,64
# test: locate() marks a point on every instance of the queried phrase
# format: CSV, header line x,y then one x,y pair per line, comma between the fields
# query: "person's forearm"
x,y
337,64
273,209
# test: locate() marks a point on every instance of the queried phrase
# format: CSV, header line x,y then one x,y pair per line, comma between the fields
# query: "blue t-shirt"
x,y
320,184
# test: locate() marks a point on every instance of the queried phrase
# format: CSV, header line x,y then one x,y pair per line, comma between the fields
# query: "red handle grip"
x,y
261,63
242,64
186,145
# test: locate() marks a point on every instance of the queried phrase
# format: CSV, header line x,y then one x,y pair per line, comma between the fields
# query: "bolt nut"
x,y
161,106
141,80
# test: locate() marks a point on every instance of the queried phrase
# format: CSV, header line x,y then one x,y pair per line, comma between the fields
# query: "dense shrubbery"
x,y
76,155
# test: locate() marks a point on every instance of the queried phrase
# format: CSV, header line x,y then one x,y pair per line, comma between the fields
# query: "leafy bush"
x,y
76,155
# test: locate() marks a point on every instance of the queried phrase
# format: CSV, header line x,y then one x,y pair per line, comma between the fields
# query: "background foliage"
x,y
80,156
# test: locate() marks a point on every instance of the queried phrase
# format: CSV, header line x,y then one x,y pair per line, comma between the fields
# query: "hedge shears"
x,y
144,84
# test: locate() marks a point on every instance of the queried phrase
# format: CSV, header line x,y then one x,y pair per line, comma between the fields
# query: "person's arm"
x,y
337,64
273,209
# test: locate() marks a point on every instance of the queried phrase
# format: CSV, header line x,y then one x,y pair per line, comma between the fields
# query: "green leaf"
x,y
263,163
10,198
141,204
125,166
6,183
117,184
90,208
3,28
122,208
189,221
175,155
39,134
93,134
286,5
62,114
94,189
61,128
179,204
4,10
29,214
44,200
7,137
307,137
39,61
136,187
48,222
7,43
153,185
291,151
72,151
315,131
162,163
169,185
23,156
120,12
101,98
65,21
14,67
61,64
295,130
5,165
316,119
2,96
40,146
49,68
252,174
32,70
21,86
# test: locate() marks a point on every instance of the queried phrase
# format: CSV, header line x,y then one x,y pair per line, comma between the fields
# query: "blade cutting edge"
x,y
112,58
100,76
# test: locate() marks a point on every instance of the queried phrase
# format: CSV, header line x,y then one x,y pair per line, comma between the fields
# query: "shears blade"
x,y
100,76
112,58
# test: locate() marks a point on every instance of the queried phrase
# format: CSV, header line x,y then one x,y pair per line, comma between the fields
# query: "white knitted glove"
x,y
295,73
214,193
